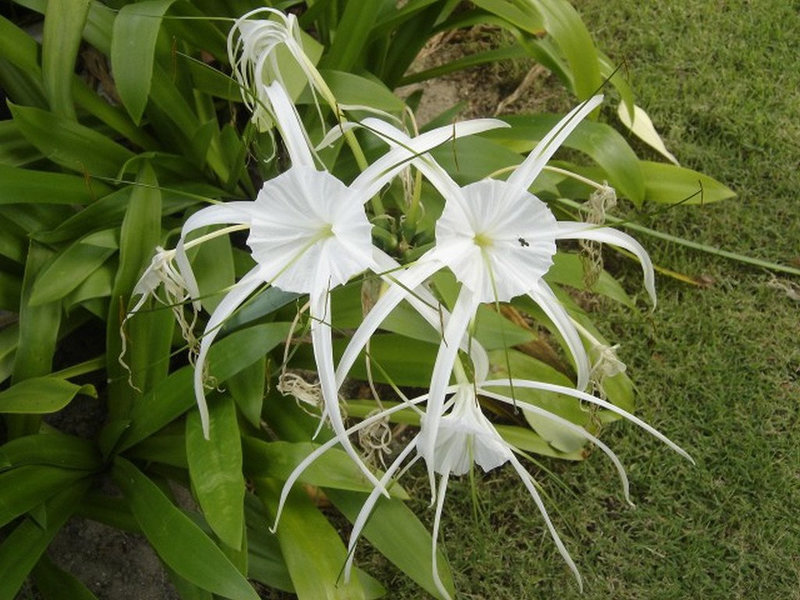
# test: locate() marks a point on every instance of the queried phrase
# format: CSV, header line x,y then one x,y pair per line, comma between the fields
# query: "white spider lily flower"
x,y
498,239
253,51
309,233
465,438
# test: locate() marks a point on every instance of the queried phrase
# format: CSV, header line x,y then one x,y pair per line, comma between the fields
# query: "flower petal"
x,y
522,177
229,303
544,297
571,230
560,389
288,121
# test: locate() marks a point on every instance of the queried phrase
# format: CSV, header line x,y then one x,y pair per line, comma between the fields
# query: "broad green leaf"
x,y
642,127
265,560
530,441
39,395
334,469
107,211
354,90
54,583
529,21
670,184
167,447
568,269
70,144
215,469
18,47
565,26
24,186
396,532
54,449
133,45
15,149
9,337
26,487
70,268
180,543
139,235
353,28
213,264
311,547
38,336
23,546
63,24
175,395
248,387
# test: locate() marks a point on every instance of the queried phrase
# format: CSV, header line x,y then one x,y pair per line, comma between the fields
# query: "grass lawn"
x,y
717,367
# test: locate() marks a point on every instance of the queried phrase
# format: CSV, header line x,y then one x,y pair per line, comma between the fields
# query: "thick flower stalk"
x,y
498,240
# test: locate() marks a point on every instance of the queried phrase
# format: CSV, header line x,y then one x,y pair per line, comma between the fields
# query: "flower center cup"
x,y
498,246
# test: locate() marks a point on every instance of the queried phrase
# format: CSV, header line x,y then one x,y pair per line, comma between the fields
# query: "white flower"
x,y
308,234
466,437
254,52
499,240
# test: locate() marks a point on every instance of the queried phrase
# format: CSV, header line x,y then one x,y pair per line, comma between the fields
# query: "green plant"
x,y
91,187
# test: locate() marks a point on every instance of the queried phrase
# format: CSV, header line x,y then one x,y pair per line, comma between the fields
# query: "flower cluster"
x,y
309,233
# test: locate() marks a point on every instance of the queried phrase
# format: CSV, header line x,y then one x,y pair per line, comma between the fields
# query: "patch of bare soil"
x,y
510,87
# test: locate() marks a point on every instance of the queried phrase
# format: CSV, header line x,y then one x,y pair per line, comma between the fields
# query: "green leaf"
x,y
15,150
670,184
54,449
565,26
54,583
248,388
23,186
516,364
529,21
215,468
63,24
180,543
24,545
26,487
70,144
642,127
311,547
354,90
175,395
69,269
18,47
530,441
395,531
568,269
353,29
334,469
38,395
133,44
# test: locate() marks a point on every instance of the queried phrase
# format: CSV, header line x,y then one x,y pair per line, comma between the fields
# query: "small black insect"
x,y
523,242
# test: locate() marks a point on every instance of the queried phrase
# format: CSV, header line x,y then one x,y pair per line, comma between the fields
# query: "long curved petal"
x,y
369,504
404,283
423,301
527,480
573,428
229,303
522,177
463,312
560,389
323,448
323,355
571,230
544,297
292,130
437,521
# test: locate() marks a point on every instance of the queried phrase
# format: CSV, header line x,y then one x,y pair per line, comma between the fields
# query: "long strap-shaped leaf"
x,y
181,544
